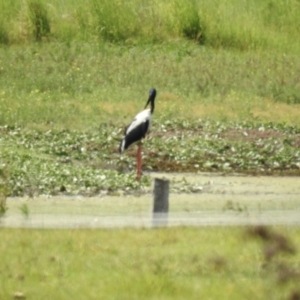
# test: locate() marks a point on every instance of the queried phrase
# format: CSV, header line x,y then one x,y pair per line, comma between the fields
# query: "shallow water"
x,y
221,200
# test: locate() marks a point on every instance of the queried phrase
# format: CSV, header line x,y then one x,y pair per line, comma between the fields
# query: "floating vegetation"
x,y
87,163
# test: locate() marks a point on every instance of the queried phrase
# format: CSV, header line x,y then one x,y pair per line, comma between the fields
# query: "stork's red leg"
x,y
139,162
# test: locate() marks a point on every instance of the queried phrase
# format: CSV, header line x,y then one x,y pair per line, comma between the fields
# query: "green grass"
x,y
83,85
177,263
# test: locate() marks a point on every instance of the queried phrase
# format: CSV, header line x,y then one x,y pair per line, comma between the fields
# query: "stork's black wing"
x,y
135,134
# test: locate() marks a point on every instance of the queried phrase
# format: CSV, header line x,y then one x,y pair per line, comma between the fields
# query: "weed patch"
x,y
75,162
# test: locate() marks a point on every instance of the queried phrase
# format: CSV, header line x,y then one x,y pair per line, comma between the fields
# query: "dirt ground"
x,y
219,201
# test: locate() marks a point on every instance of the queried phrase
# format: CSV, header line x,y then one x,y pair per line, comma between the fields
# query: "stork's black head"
x,y
152,95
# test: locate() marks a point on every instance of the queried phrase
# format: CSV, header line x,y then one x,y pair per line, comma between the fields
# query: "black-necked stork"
x,y
138,129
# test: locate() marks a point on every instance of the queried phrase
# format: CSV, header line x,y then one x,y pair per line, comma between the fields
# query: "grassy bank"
x,y
141,264
82,85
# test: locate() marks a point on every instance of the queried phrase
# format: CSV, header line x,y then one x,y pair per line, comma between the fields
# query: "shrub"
x,y
39,20
3,189
189,20
3,34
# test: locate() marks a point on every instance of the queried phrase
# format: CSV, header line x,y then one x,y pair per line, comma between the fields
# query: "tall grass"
x,y
252,24
115,21
39,20
267,24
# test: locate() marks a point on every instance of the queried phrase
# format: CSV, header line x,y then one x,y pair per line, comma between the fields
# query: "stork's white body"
x,y
142,117
137,129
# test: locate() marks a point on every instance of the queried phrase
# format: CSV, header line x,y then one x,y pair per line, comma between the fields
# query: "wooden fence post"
x,y
160,202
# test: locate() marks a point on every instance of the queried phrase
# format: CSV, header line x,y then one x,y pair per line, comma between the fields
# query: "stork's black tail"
x,y
133,136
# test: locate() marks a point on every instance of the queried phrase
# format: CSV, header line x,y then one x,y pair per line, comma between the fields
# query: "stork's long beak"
x,y
149,100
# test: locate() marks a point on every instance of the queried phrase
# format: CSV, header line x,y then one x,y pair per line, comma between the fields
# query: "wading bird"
x,y
137,130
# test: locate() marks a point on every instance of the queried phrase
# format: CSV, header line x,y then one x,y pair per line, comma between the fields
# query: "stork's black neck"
x,y
151,100
152,104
